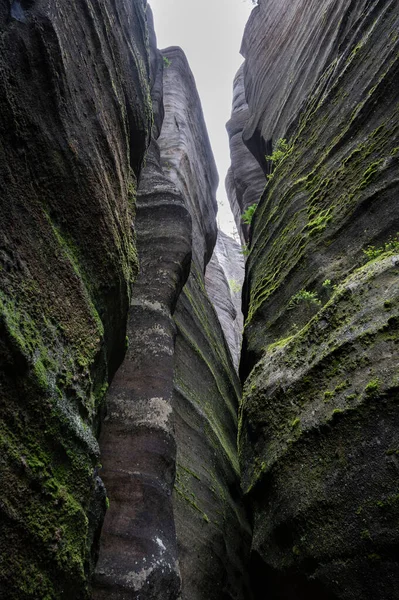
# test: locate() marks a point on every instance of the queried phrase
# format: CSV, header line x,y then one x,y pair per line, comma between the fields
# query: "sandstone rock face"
x,y
245,179
223,281
172,419
319,437
138,556
74,127
186,153
212,529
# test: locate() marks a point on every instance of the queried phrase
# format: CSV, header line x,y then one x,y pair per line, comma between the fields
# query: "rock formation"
x,y
319,421
245,179
223,281
74,126
107,180
172,419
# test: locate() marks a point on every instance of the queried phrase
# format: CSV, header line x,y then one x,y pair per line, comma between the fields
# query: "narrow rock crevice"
x,y
185,480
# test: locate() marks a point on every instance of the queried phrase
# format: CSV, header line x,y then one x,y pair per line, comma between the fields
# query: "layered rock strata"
x,y
172,418
318,437
138,555
245,179
74,126
224,278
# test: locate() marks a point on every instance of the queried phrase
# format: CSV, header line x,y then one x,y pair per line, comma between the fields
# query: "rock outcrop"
x,y
74,126
172,420
223,281
138,555
245,179
319,435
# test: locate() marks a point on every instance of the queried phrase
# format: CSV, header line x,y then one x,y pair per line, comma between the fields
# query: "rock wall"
x,y
74,126
172,420
318,428
245,179
224,278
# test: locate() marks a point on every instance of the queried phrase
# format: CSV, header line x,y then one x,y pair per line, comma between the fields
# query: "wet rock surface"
x,y
212,530
223,281
74,126
154,432
319,427
138,554
245,179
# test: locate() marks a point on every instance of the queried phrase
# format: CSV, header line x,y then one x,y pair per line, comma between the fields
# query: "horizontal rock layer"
x,y
318,431
224,278
75,120
171,405
245,179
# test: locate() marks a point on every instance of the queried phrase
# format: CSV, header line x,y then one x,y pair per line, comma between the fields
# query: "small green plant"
x,y
390,247
326,283
303,296
244,250
234,286
249,213
280,152
166,62
372,388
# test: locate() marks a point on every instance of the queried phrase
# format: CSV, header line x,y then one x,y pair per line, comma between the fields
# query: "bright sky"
x,y
210,33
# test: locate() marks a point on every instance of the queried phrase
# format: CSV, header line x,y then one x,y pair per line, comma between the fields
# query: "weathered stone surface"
x,y
212,529
138,553
319,420
74,126
147,423
212,532
224,277
186,153
245,179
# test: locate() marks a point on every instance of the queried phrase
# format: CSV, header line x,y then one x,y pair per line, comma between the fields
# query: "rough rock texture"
x,y
149,431
75,118
245,179
319,431
138,556
224,278
212,532
212,529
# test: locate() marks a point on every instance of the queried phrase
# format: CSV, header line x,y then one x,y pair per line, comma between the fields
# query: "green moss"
x,y
183,489
365,534
372,388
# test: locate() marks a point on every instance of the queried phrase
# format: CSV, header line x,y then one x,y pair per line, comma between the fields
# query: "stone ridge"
x,y
138,551
318,425
147,449
186,153
75,120
245,179
224,278
212,530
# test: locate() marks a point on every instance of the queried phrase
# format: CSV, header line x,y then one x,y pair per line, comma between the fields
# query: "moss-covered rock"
x,y
318,419
74,127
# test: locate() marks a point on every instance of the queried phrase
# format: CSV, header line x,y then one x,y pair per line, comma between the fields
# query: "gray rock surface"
x,y
186,153
212,531
245,179
154,435
319,427
74,126
138,552
224,278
